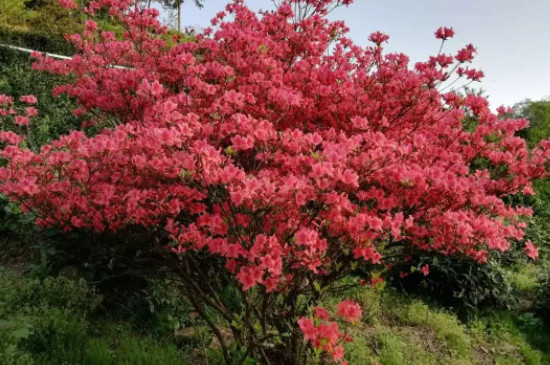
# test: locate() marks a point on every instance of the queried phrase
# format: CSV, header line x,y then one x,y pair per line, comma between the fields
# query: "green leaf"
x,y
237,325
229,151
317,287
21,333
380,285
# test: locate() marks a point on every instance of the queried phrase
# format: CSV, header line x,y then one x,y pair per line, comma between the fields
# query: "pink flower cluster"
x,y
444,33
324,334
531,250
68,4
14,120
349,310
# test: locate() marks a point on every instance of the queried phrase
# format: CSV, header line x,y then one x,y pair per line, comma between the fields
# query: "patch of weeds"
x,y
445,327
525,278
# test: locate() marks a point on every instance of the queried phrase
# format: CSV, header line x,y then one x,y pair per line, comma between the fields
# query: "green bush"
x,y
33,40
50,322
458,283
538,114
43,322
16,233
17,293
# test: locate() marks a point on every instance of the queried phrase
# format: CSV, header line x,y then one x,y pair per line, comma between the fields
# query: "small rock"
x,y
71,272
227,338
186,332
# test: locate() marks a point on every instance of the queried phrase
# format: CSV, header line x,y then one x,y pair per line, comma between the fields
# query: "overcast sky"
x,y
512,36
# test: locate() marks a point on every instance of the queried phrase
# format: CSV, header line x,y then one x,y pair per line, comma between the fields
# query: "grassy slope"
x,y
400,330
48,322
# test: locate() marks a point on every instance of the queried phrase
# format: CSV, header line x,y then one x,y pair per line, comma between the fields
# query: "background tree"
x,y
175,5
538,115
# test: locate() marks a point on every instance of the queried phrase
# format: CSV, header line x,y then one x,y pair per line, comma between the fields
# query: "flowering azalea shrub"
x,y
274,156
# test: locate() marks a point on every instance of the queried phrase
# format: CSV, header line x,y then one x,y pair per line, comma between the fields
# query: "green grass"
x,y
397,330
525,278
52,321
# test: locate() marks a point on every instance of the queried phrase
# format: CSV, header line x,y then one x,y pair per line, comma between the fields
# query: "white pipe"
x,y
26,50
31,51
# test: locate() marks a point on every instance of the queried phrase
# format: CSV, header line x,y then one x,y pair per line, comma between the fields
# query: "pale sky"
x,y
512,36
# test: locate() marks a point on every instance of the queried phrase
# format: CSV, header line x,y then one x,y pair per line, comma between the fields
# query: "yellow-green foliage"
x,y
525,278
13,13
445,326
46,17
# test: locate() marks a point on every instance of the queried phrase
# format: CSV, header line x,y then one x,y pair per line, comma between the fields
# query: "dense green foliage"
x,y
49,322
459,283
538,115
543,304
